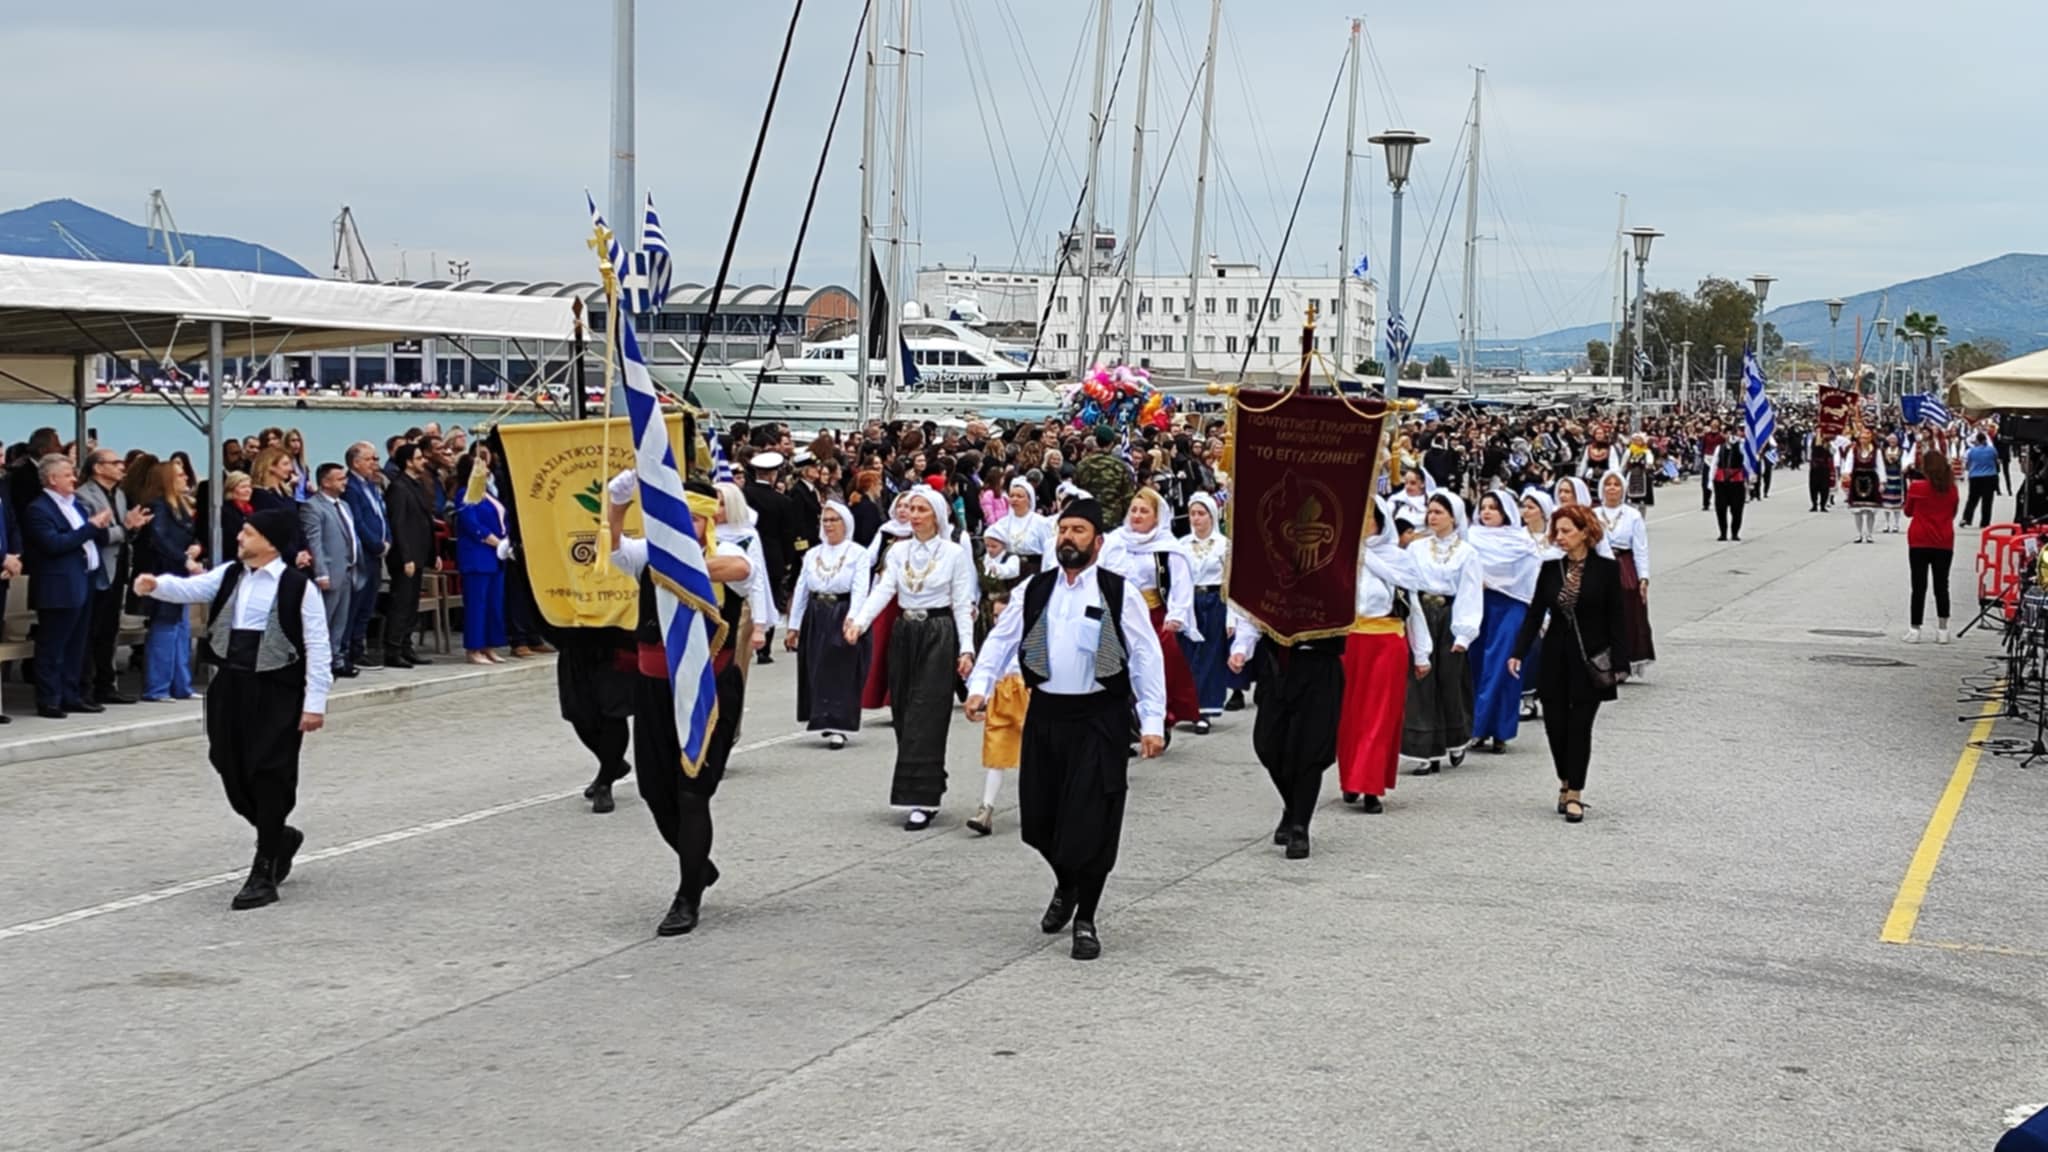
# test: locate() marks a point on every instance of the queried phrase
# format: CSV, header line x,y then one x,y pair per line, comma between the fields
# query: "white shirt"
x,y
1452,569
631,558
68,505
820,577
348,521
1624,528
1070,641
1206,556
1028,535
760,598
250,609
1385,572
1142,572
945,579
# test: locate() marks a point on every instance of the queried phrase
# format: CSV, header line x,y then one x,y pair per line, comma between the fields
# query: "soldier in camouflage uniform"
x,y
1105,476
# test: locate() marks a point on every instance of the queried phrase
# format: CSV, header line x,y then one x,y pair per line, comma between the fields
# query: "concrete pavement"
x,y
473,965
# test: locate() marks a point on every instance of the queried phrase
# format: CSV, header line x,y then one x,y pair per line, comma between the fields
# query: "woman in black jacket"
x,y
1581,593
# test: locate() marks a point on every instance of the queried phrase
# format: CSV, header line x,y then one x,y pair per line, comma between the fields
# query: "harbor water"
x,y
162,429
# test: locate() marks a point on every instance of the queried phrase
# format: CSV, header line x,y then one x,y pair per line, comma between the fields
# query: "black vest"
x,y
1038,593
647,630
243,644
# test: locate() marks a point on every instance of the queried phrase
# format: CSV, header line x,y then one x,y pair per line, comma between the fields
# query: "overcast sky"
x,y
1841,146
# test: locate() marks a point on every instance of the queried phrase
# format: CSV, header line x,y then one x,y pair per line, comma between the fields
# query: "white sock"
x,y
992,787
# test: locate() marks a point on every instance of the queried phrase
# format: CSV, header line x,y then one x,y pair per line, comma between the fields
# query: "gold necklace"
x,y
1439,553
914,578
1202,547
1610,523
825,574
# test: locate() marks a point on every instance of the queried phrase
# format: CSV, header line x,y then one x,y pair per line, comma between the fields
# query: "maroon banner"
x,y
1836,406
1304,470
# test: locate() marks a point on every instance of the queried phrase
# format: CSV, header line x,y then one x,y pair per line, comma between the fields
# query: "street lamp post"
x,y
1399,145
1684,368
1760,284
1834,322
1720,369
1642,238
1941,365
1884,377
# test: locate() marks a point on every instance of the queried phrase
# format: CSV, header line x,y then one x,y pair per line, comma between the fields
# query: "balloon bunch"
x,y
1120,396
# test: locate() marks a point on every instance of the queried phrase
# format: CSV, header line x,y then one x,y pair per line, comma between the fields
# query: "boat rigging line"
x,y
739,215
803,228
1273,278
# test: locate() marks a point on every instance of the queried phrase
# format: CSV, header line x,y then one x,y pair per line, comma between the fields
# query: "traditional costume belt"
x,y
1152,598
1201,588
828,597
1378,626
1433,600
916,613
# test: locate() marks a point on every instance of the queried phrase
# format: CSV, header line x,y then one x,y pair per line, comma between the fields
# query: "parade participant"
x,y
739,532
1599,458
267,641
594,685
832,579
1377,655
1411,503
1508,575
874,692
1571,490
1208,658
1731,488
1580,593
1863,477
931,580
1820,473
1624,531
1537,509
1449,605
1980,467
1639,470
777,525
1087,652
1002,734
1893,496
677,792
1146,554
1025,537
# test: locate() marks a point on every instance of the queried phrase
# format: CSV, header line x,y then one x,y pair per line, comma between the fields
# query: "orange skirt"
x,y
1002,732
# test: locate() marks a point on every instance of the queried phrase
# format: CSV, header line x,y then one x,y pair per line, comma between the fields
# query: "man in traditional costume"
x,y
1084,643
267,641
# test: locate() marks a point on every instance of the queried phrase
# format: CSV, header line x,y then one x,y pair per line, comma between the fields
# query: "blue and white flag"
x,y
910,372
651,265
1398,340
1933,411
1364,262
1643,365
721,468
687,601
1759,422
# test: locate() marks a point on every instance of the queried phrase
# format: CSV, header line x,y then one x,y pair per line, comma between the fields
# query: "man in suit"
x,y
24,477
373,535
330,531
102,492
410,511
64,552
777,530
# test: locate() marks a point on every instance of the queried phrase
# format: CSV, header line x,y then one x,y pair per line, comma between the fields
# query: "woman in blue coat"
x,y
480,552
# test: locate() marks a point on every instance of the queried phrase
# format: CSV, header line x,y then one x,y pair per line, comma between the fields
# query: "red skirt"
x,y
1635,615
1183,705
874,692
1376,672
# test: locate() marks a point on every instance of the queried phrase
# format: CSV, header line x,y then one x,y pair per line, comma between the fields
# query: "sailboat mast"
x,y
894,353
865,253
1199,254
1468,330
1086,352
1343,316
1620,286
1137,185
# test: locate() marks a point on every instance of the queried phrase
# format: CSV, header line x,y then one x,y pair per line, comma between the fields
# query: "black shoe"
x,y
416,660
115,698
1351,797
1280,833
601,800
1371,806
346,673
259,889
395,660
367,662
1236,701
50,713
6,719
1086,945
1202,726
681,918
294,840
86,706
763,658
1297,843
590,790
1496,746
1723,537
1057,913
918,820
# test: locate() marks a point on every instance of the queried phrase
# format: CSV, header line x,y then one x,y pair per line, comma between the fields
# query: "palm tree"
x,y
1922,329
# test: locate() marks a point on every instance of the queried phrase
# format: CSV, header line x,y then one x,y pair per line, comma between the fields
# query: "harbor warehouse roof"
x,y
70,308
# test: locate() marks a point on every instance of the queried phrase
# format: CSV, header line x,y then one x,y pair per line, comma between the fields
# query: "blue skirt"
x,y
1497,696
1209,659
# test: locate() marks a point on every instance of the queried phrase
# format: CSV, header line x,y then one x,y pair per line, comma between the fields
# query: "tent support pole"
x,y
78,363
213,461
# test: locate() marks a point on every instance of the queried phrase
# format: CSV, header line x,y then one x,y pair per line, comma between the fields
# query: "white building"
x,y
1232,310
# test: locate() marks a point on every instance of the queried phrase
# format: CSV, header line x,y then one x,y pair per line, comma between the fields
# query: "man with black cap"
x,y
1084,642
267,641
775,523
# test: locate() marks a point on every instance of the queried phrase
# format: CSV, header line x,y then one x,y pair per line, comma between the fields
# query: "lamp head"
x,y
1761,285
1834,311
1642,238
1884,325
1399,144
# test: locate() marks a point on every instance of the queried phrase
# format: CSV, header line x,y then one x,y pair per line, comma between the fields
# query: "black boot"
x,y
601,799
1236,701
261,887
1087,946
1058,912
1371,805
1297,843
293,841
682,915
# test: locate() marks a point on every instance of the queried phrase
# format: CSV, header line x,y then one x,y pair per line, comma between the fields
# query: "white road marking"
x,y
168,891
2019,1114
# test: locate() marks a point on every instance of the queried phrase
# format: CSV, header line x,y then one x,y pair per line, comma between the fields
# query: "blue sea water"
x,y
161,429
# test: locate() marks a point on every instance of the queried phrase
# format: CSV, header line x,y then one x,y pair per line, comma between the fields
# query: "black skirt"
x,y
924,654
590,684
1438,720
658,748
1073,777
830,671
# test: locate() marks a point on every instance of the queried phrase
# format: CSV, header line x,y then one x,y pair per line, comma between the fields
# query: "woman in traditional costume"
x,y
1893,493
1863,478
1627,537
1449,605
931,580
1598,459
1146,553
1377,655
831,582
1639,470
1209,657
1537,509
1508,575
874,691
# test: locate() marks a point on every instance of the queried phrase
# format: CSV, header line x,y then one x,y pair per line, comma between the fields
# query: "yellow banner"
x,y
559,470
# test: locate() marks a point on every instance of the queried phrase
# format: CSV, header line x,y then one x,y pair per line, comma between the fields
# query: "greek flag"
x,y
1759,423
721,468
1398,340
687,600
1643,366
1933,411
651,266
1364,261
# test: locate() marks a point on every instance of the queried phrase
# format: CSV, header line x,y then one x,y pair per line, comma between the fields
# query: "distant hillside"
x,y
2005,298
28,232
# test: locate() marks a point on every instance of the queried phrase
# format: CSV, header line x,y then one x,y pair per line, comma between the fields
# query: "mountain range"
x,y
30,232
2005,299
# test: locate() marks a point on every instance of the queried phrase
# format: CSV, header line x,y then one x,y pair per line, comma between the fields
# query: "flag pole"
x,y
601,243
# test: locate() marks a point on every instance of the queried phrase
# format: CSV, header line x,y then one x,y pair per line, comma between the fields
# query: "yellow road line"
x,y
1898,927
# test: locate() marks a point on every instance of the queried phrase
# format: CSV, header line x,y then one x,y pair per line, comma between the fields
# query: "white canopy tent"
x,y
2015,386
56,315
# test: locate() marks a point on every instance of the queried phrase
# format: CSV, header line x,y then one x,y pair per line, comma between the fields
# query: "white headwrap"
x,y
845,519
1545,501
1507,558
936,502
1159,539
1457,504
892,526
1579,489
1215,515
1029,492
